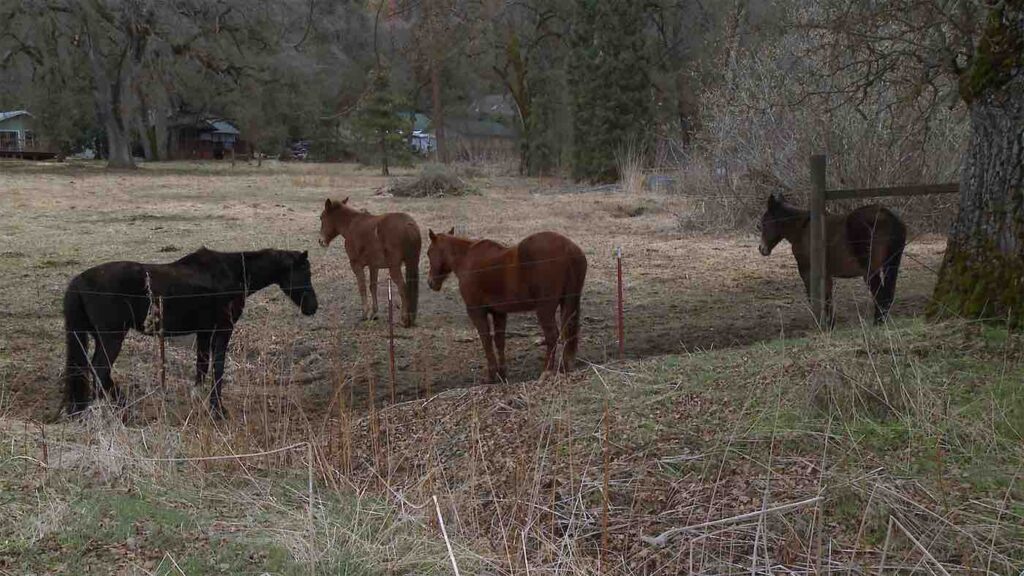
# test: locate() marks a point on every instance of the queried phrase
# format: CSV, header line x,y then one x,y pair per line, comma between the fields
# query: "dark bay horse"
x,y
375,242
868,242
203,293
543,273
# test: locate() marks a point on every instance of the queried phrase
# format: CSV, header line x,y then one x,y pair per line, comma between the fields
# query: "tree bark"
x,y
438,119
109,94
982,274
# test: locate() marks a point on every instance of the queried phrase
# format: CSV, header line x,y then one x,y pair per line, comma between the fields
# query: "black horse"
x,y
867,242
203,294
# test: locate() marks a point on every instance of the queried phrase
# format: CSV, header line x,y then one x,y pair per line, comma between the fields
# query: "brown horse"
x,y
375,242
542,273
868,242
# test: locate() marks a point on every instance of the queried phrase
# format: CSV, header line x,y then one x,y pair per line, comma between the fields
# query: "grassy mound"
x,y
901,445
433,182
916,428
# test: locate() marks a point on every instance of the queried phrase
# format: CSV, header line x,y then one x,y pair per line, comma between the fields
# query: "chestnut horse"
x,y
542,273
375,242
868,242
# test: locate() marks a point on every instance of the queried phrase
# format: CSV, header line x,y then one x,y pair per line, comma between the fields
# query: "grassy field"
x,y
729,402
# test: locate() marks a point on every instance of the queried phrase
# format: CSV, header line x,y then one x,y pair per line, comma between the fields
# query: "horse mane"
x,y
203,254
783,210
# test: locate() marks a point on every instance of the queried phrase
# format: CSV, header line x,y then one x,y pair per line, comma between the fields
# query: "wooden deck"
x,y
28,154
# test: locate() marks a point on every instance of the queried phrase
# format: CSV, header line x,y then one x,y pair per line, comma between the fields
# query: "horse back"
x,y
398,232
113,295
873,234
543,267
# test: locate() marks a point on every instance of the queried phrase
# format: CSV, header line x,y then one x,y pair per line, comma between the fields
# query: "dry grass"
x,y
630,160
517,469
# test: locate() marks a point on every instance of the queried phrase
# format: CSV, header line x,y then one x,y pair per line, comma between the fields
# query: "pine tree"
x,y
609,84
378,126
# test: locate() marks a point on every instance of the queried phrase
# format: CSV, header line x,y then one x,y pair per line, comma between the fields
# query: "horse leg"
x,y
881,281
220,351
546,318
395,270
373,292
570,330
202,358
108,347
830,311
500,321
361,282
483,328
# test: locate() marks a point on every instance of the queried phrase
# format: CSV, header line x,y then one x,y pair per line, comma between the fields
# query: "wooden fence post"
x,y
619,316
818,241
163,346
391,340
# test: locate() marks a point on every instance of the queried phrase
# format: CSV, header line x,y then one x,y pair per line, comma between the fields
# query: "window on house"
x,y
8,140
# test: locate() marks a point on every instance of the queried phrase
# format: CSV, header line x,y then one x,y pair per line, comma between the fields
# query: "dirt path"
x,y
683,292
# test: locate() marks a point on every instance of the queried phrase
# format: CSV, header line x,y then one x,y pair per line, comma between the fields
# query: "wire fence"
x,y
606,335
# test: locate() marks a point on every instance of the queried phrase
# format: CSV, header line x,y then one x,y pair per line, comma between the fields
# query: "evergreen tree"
x,y
378,126
610,87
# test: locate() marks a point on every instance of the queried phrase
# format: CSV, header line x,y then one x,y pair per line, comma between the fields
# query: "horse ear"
x,y
305,256
328,204
772,201
431,234
452,231
345,201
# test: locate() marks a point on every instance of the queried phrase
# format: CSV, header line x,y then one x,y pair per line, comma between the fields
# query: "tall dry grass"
x,y
630,162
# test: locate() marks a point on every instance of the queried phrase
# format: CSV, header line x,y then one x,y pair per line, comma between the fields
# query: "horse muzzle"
x,y
764,249
309,306
323,243
435,283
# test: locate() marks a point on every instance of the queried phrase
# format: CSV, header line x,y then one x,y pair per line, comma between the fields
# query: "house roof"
x,y
493,105
479,128
223,127
209,124
13,114
420,122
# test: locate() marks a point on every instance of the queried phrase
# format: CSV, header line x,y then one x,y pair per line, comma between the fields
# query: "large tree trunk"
x,y
983,271
160,132
109,104
438,120
982,275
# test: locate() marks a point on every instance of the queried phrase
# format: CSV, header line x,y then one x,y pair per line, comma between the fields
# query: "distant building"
x,y
421,137
489,129
203,139
484,133
481,139
19,138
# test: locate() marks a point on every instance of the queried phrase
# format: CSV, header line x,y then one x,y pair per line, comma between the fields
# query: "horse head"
x,y
297,282
772,224
330,228
441,258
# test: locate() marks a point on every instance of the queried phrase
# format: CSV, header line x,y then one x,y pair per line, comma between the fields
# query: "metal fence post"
x,y
819,248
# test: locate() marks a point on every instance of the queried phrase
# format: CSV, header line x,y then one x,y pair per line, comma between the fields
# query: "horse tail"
x,y
411,255
886,292
412,285
77,328
571,304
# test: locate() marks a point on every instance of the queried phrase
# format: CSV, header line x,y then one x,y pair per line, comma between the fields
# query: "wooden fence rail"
x,y
820,195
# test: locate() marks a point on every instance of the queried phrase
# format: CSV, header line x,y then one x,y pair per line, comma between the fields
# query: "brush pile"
x,y
433,182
